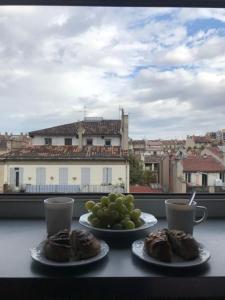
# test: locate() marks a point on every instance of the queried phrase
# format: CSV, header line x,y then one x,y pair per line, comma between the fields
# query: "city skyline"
x,y
164,66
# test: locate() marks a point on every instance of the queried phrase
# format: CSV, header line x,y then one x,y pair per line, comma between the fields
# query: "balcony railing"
x,y
57,188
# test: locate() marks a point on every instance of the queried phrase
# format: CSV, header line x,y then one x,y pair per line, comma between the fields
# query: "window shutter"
x,y
12,176
40,176
109,175
85,176
63,176
104,179
21,176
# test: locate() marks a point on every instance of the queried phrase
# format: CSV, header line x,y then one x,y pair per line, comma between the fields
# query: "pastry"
x,y
163,244
158,246
184,245
63,246
84,244
58,247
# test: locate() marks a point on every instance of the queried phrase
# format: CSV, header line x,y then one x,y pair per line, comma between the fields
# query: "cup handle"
x,y
205,214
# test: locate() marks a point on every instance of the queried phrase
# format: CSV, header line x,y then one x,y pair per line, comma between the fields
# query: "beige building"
x,y
65,169
11,142
201,173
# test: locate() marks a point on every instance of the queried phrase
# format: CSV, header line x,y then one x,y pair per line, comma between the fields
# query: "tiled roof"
x,y
202,164
65,152
138,142
102,127
216,151
143,189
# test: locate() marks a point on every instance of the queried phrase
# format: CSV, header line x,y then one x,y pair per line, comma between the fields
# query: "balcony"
x,y
56,188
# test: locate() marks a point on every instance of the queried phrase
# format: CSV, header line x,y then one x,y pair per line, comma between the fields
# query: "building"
x,y
65,169
11,142
198,142
89,132
201,173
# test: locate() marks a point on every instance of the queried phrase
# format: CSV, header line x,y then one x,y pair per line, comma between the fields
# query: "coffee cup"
x,y
182,216
58,214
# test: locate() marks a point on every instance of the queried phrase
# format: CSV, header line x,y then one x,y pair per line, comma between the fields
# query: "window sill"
x,y
118,274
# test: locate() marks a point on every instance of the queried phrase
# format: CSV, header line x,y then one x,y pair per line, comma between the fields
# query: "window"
x,y
188,177
17,176
68,141
108,142
107,175
89,142
48,141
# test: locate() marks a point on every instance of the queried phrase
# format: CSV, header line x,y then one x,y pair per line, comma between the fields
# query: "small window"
x,y
89,142
68,141
188,177
154,153
48,141
108,142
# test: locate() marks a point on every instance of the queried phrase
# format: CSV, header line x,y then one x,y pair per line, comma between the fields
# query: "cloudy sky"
x,y
165,67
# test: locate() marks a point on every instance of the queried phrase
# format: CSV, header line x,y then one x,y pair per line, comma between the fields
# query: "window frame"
x,y
48,139
9,207
68,139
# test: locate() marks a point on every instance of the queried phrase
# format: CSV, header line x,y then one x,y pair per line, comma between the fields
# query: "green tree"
x,y
149,177
136,170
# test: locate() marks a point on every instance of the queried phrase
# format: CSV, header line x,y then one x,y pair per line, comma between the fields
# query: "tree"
x,y
136,170
149,177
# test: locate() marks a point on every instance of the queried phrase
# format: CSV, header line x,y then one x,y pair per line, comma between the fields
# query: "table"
x,y
118,276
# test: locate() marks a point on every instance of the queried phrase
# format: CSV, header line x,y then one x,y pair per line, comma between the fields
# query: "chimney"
x,y
80,131
124,131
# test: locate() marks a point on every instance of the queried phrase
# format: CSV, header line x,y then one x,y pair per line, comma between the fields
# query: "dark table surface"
x,y
118,274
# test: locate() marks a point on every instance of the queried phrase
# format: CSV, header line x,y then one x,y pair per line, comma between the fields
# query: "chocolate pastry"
x,y
58,247
158,246
84,244
184,245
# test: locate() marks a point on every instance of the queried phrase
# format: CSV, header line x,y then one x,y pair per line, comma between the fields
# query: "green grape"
x,y
114,215
120,196
105,201
112,197
96,222
89,205
117,226
96,208
138,222
130,206
130,198
122,209
119,201
123,223
90,217
129,225
100,213
135,214
112,206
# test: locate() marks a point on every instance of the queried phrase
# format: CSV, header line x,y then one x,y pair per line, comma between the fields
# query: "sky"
x,y
164,66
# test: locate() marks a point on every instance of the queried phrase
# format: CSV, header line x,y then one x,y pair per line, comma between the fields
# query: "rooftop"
x,y
95,127
65,153
202,164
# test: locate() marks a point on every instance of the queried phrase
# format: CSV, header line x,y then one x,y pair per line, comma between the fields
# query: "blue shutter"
x,y
12,176
104,179
85,176
109,175
40,176
63,176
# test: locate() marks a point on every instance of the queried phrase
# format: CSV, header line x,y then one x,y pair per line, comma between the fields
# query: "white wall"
x,y
119,170
59,141
196,178
56,140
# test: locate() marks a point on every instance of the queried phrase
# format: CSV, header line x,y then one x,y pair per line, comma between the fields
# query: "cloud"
x,y
164,66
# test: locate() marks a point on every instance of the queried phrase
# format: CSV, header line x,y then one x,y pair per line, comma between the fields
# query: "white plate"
x,y
139,250
149,220
37,255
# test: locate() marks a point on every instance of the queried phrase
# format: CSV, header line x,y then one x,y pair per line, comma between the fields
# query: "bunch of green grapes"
x,y
115,211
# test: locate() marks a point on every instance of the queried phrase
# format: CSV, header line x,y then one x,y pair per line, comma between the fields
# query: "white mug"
x,y
181,216
58,214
